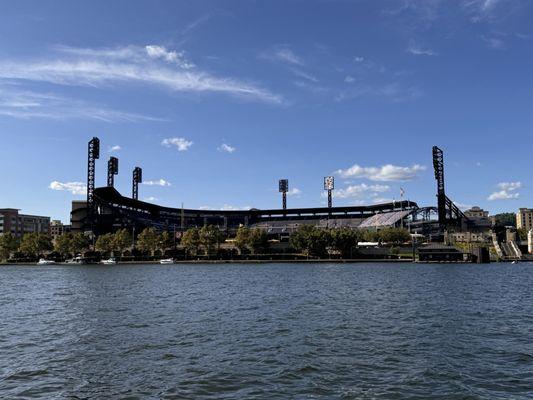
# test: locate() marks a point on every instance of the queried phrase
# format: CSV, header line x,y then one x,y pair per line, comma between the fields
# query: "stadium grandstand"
x,y
112,211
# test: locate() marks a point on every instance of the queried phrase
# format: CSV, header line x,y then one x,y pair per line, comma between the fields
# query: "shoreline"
x,y
319,261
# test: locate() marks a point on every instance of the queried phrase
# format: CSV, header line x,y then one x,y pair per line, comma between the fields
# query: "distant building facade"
x,y
477,212
524,218
480,223
57,228
20,224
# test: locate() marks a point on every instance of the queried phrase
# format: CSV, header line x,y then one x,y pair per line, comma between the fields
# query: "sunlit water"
x,y
273,331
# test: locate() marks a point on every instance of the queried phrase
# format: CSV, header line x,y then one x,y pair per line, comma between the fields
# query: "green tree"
x,y
257,240
369,235
63,244
210,237
122,240
166,241
394,235
191,240
344,240
105,243
311,240
521,233
34,244
148,240
242,238
505,219
78,243
8,244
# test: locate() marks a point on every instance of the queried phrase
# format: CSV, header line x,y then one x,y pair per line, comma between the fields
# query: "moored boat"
x,y
109,261
44,261
166,261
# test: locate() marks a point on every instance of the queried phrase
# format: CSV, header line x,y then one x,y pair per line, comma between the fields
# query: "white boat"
x,y
43,261
166,261
110,261
76,260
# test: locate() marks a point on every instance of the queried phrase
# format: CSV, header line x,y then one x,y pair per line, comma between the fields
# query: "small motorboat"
x,y
76,260
166,261
109,261
44,261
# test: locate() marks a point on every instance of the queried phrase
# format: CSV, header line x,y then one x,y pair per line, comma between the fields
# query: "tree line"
x,y
307,239
321,242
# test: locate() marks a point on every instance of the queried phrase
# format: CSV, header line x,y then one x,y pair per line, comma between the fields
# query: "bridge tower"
x,y
449,213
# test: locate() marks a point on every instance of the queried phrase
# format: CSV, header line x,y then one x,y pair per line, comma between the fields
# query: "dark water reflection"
x,y
361,331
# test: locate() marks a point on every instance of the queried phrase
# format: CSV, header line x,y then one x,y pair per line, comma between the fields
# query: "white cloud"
x,y
130,64
359,59
76,188
178,58
158,182
508,191
481,10
358,191
286,55
294,192
226,148
114,148
503,195
181,144
509,185
349,79
226,207
150,198
494,42
384,173
416,50
25,104
282,54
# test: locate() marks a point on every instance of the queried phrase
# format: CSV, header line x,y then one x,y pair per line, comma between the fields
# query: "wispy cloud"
x,y
283,54
25,104
226,148
150,198
417,50
494,42
76,188
180,143
113,149
384,173
294,192
508,191
149,65
157,182
226,207
395,92
359,191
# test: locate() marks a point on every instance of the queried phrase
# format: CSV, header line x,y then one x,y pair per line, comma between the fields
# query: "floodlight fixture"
x,y
329,185
112,170
283,189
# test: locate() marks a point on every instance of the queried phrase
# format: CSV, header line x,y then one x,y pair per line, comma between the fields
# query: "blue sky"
x,y
217,100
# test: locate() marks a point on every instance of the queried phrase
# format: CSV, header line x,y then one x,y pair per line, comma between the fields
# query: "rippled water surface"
x,y
294,331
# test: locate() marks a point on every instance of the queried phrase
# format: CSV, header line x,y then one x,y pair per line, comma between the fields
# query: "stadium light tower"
x,y
92,155
137,178
112,170
329,185
283,189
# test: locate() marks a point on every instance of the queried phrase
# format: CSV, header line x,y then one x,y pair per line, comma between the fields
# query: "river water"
x,y
271,331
